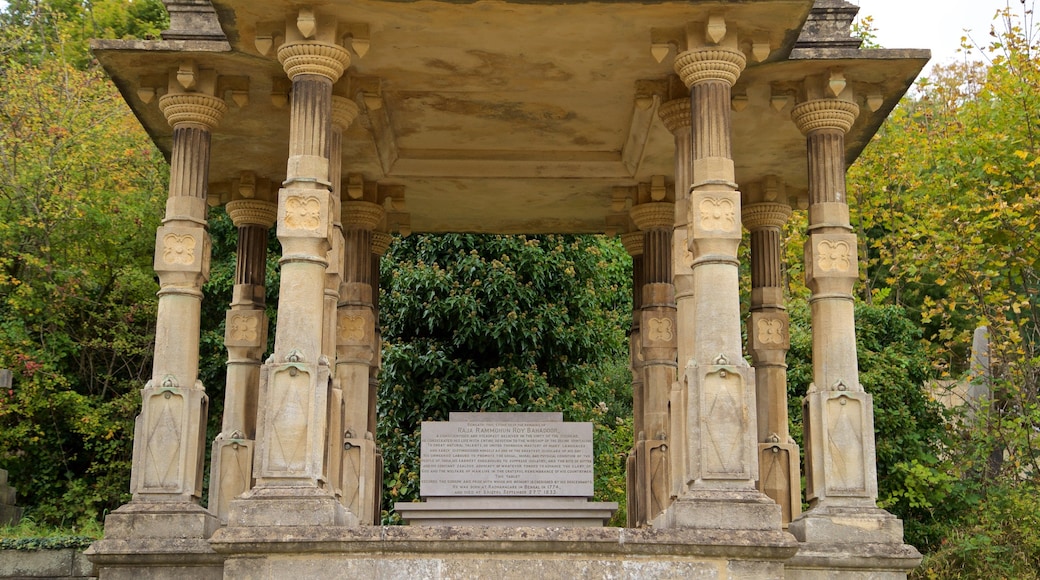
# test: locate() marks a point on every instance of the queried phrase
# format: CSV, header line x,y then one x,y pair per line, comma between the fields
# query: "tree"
x,y
947,199
79,182
504,323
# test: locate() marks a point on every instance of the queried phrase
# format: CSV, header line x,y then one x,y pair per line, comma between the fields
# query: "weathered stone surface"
x,y
66,563
507,511
482,552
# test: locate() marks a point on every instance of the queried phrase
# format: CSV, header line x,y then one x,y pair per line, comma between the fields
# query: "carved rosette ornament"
x,y
718,214
182,109
314,58
251,212
710,64
825,114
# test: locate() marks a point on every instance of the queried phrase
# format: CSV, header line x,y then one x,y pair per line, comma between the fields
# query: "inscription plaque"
x,y
506,459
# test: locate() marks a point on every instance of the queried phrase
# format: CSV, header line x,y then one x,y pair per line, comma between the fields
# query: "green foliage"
x,y
79,182
29,535
998,538
35,31
909,426
504,323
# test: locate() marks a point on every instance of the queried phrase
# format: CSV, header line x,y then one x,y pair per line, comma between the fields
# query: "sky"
x,y
934,24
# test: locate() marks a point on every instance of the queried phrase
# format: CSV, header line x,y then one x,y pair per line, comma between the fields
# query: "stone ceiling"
x,y
512,117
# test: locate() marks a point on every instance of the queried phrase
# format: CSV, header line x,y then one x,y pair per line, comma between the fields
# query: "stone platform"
x,y
501,553
507,511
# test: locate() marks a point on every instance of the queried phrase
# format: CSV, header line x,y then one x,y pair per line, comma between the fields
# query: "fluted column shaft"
x,y
657,345
677,117
168,439
717,368
635,476
245,337
292,447
768,342
841,467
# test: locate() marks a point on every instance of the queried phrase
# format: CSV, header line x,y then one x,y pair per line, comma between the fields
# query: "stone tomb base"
x,y
507,511
417,552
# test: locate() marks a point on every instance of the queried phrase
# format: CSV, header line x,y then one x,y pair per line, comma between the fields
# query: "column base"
x,y
722,510
157,540
140,520
841,525
858,542
288,506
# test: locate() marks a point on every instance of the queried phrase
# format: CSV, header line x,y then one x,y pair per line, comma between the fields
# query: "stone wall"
x,y
66,563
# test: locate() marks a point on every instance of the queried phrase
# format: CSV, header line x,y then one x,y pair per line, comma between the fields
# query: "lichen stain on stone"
x,y
497,71
537,116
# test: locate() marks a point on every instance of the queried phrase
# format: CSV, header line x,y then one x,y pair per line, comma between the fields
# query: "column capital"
x,y
381,242
676,115
765,215
633,243
344,112
252,212
716,63
362,214
821,114
192,109
309,57
654,215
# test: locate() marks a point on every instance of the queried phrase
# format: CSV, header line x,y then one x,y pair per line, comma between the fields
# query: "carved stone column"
x,y
634,476
344,111
356,357
245,337
722,464
170,433
658,345
768,341
292,486
676,117
841,471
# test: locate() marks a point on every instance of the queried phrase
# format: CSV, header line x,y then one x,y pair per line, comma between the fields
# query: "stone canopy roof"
x,y
513,117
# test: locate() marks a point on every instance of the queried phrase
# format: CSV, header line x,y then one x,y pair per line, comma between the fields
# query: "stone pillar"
x,y
841,469
634,476
170,432
380,244
344,111
721,459
676,117
245,336
843,523
292,479
658,346
768,341
356,357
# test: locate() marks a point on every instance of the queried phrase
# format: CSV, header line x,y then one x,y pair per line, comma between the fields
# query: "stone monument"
x,y
677,125
506,469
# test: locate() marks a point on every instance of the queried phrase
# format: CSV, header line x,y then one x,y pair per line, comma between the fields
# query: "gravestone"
x,y
506,469
9,513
